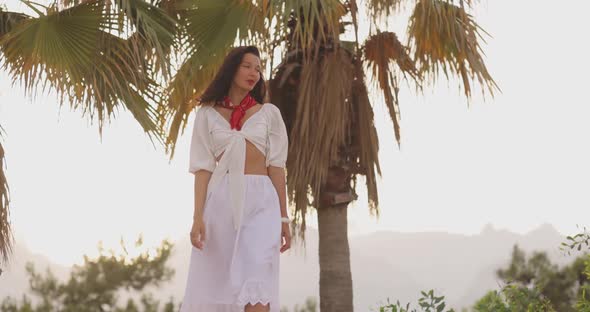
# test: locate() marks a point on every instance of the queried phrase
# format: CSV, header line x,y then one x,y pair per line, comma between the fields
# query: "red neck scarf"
x,y
238,110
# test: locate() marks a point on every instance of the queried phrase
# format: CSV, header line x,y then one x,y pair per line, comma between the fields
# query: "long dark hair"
x,y
219,87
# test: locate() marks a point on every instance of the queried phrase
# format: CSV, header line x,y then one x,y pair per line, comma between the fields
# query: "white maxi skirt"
x,y
235,268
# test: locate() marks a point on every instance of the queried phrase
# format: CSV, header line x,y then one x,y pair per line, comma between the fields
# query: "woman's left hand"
x,y
285,237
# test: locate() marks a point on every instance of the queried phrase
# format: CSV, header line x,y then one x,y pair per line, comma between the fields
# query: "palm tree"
x,y
320,87
98,56
160,54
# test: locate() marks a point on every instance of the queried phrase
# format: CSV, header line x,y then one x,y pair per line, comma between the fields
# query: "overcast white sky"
x,y
517,161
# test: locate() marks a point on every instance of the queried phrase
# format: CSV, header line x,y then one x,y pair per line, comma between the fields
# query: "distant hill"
x,y
384,264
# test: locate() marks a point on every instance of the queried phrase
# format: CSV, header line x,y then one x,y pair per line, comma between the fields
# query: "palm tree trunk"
x,y
334,254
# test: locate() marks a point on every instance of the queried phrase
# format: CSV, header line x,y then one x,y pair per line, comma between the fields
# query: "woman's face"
x,y
248,72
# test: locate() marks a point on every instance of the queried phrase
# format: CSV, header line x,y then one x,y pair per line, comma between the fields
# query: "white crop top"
x,y
212,135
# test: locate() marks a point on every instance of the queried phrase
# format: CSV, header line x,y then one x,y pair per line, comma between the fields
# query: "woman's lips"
x,y
251,82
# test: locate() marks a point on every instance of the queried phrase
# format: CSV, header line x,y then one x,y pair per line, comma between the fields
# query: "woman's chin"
x,y
246,87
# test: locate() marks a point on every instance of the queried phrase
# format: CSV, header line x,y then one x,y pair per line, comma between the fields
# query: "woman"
x,y
240,225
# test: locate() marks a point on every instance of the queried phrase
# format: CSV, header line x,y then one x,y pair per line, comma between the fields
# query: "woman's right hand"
x,y
198,233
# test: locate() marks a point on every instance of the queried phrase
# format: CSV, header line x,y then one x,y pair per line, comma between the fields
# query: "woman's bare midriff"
x,y
255,160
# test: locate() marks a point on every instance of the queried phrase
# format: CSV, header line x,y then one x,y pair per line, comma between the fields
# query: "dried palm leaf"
x,y
365,142
354,10
313,23
383,48
444,37
384,8
8,20
321,128
382,51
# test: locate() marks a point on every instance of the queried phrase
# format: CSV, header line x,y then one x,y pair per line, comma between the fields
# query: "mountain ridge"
x,y
385,264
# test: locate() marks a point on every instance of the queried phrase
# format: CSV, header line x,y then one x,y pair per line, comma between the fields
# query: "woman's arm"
x,y
198,229
202,178
201,164
276,159
277,176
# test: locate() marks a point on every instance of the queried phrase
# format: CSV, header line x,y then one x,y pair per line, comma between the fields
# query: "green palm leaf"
x,y
155,31
119,77
214,25
72,52
53,44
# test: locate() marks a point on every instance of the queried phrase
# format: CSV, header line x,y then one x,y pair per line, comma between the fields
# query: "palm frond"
x,y
214,25
365,141
382,51
353,8
6,238
154,34
321,128
313,23
191,80
149,26
120,77
71,52
383,48
384,8
444,38
53,43
8,20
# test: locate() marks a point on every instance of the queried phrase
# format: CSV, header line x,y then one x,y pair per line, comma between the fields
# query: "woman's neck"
x,y
236,95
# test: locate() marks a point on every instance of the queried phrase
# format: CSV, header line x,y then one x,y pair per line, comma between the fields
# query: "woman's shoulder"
x,y
203,109
203,114
205,106
271,109
269,105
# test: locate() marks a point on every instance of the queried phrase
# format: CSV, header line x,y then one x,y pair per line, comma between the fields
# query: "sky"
x,y
516,161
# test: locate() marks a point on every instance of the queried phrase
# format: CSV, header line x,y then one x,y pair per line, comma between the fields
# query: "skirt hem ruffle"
x,y
253,292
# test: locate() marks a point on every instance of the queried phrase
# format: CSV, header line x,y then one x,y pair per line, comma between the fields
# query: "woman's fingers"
x,y
202,232
286,238
197,235
195,241
285,246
